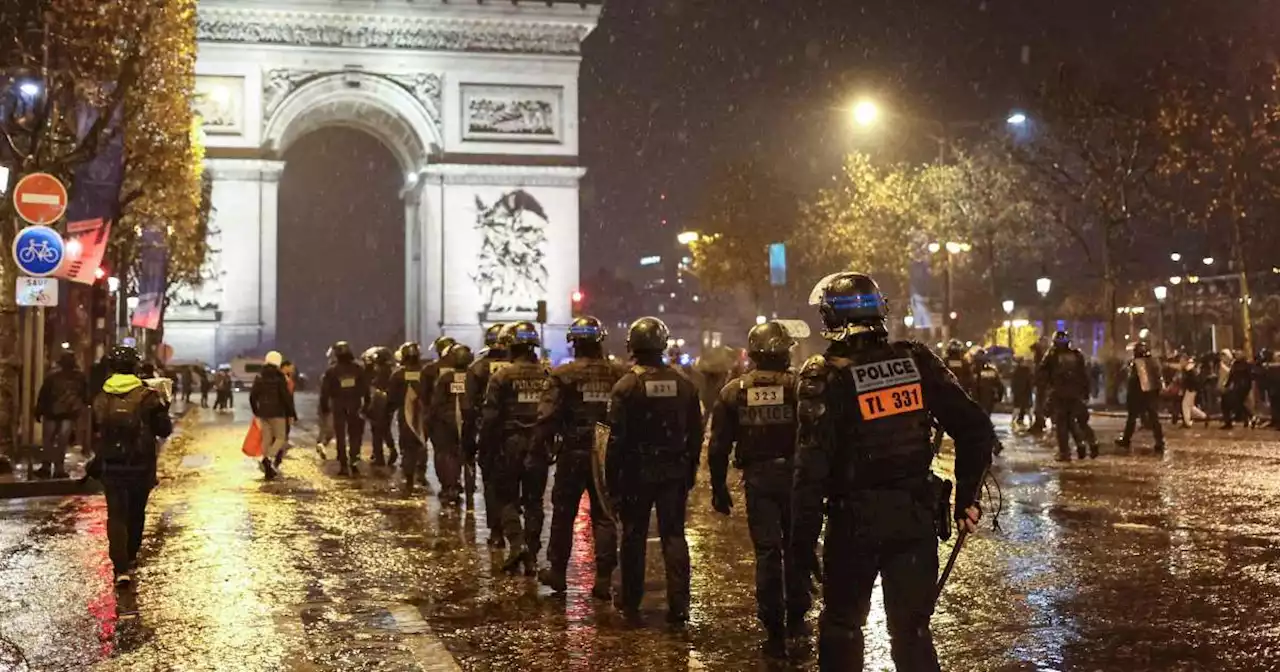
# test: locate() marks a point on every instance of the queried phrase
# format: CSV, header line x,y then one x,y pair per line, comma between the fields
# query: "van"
x,y
243,371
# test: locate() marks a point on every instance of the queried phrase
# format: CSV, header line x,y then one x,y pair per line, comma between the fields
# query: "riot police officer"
x,y
491,359
379,368
655,443
1146,382
445,416
988,389
402,400
960,366
863,454
512,449
430,371
757,414
576,399
344,392
1067,379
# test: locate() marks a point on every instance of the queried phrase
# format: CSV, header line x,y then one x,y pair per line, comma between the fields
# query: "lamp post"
x,y
951,248
866,113
1008,311
1043,284
1161,293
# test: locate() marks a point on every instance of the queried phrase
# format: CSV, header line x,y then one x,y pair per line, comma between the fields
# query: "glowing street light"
x,y
687,237
1043,285
1016,119
865,113
1175,280
934,247
909,320
1175,257
1007,304
761,319
1208,261
1161,293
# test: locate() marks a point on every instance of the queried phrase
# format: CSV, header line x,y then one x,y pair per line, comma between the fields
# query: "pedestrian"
x,y
1145,385
755,420
492,359
224,399
655,444
1235,395
206,384
290,376
188,382
344,393
445,417
1271,381
577,398
272,405
867,402
1022,386
379,367
128,419
1041,407
1191,381
1065,374
403,403
60,404
518,456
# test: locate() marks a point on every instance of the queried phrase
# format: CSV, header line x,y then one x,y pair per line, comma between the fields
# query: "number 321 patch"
x,y
891,401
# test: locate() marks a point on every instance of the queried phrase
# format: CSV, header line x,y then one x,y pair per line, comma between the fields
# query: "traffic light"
x,y
542,311
576,300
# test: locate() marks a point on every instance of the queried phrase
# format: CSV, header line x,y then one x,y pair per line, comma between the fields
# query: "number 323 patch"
x,y
891,401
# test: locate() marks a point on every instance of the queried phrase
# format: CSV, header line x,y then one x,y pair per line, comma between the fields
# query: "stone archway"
x,y
403,116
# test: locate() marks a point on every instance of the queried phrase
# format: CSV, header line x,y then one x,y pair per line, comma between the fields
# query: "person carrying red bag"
x,y
272,406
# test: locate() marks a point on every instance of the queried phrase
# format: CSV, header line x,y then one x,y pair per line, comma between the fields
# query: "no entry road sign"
x,y
40,198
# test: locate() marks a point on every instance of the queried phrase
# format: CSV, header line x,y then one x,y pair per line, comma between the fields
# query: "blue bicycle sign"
x,y
38,250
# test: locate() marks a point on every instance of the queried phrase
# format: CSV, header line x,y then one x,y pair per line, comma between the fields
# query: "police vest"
x,y
765,403
882,421
346,389
587,387
661,423
522,386
1067,365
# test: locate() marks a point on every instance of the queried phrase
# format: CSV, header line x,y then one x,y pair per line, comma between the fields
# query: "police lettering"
x,y
766,415
888,373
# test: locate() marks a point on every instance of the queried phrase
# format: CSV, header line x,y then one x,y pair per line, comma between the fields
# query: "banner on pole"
x,y
86,246
151,281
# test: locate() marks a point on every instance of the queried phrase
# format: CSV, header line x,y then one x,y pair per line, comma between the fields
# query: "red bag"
x,y
253,441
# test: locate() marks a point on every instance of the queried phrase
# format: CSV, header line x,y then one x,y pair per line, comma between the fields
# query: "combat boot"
x,y
553,579
515,558
1093,450
775,644
391,459
268,469
344,469
1159,448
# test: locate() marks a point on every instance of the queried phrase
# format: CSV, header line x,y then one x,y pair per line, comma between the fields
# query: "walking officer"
x,y
512,449
1065,376
1145,383
655,442
863,454
491,359
430,371
576,399
402,400
344,392
755,418
960,366
445,417
378,365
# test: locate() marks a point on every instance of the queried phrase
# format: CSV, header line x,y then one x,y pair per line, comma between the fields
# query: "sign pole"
x,y
25,396
37,435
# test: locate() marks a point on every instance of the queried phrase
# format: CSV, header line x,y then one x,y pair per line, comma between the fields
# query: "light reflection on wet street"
x,y
1128,563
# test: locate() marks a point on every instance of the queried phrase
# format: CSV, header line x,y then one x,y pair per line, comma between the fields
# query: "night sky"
x,y
674,89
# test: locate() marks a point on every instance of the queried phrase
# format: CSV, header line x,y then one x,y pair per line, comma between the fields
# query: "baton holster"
x,y
941,489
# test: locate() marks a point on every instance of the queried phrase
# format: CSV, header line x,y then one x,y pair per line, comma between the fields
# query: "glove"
x,y
721,501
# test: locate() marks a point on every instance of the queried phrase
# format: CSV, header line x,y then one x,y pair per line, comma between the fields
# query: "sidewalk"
x,y
18,484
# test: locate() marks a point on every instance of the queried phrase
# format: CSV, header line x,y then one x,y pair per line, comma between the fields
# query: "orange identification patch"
x,y
891,401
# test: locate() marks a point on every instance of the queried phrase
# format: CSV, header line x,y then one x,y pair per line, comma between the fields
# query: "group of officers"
x,y
845,440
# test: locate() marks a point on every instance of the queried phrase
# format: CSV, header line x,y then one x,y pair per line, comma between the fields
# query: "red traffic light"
x,y
576,296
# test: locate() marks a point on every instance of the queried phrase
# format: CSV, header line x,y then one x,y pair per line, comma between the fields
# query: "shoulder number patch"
x,y
891,401
770,395
884,374
660,388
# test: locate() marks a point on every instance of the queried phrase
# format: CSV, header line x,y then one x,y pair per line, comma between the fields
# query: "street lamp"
x,y
952,248
1043,284
1007,304
909,320
687,237
1208,261
1175,257
1016,119
865,113
761,319
1161,293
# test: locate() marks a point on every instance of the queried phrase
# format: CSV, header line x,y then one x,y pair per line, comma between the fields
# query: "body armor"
x,y
765,405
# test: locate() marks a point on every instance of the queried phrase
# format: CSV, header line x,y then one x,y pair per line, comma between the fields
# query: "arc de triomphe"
x,y
478,101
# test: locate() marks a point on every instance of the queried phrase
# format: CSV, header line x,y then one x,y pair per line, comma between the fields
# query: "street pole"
x,y
946,301
1164,351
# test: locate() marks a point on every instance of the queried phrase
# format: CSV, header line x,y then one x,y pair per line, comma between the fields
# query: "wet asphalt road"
x,y
1130,563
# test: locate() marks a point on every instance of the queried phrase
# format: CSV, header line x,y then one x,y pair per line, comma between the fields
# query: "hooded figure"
x,y
272,405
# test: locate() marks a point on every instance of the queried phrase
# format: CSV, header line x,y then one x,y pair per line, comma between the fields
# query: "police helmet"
x,y
769,339
648,334
123,359
850,304
460,356
493,334
980,355
520,333
67,359
1062,339
586,329
342,351
1141,349
378,354
955,347
442,344
409,353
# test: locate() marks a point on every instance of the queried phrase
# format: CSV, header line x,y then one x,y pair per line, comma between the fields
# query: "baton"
x,y
955,550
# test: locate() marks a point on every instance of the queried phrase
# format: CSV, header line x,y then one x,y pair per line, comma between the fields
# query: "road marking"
x,y
428,651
